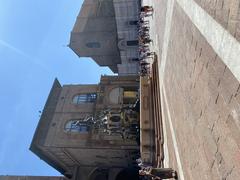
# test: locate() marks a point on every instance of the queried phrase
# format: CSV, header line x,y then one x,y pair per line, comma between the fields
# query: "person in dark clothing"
x,y
159,173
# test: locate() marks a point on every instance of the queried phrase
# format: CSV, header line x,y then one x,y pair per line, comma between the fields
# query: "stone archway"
x,y
98,174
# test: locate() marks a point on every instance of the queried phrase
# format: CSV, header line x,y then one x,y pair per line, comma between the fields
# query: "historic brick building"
x,y
88,131
107,32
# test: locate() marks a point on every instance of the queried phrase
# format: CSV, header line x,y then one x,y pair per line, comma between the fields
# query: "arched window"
x,y
85,98
133,22
132,43
115,95
93,45
76,126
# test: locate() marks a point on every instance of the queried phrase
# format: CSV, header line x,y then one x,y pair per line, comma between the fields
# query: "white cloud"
x,y
16,50
20,52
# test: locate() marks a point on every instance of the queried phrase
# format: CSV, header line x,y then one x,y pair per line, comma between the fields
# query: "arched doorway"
x,y
98,174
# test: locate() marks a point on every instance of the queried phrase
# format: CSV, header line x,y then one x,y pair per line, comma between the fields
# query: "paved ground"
x,y
197,43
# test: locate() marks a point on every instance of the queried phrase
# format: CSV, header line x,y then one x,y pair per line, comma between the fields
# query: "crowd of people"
x,y
147,171
145,55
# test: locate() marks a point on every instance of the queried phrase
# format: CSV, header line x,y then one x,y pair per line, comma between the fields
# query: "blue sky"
x,y
33,51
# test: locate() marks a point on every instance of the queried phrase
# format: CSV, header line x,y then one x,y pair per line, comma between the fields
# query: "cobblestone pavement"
x,y
197,43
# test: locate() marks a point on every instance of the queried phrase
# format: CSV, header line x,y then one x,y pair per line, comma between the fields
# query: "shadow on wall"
x,y
128,173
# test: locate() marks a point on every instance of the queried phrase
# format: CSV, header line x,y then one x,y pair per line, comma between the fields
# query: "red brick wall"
x,y
204,104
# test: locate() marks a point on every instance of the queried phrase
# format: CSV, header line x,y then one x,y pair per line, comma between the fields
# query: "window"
x,y
85,98
134,59
93,45
132,43
115,118
133,22
76,126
